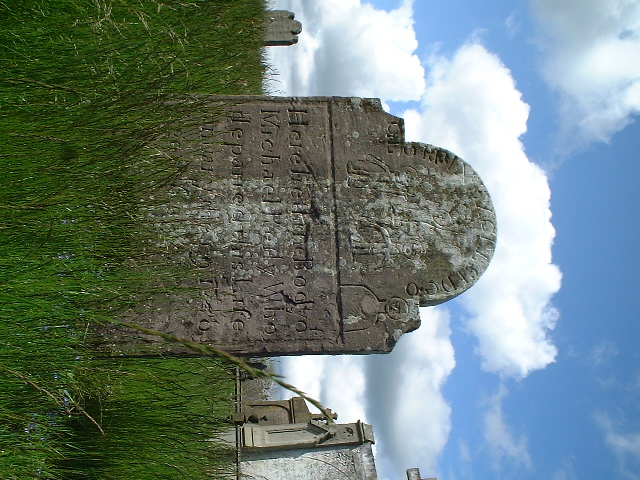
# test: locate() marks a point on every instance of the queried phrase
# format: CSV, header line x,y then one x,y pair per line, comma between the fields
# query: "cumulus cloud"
x,y
401,391
503,445
306,373
337,381
592,58
413,419
349,48
473,108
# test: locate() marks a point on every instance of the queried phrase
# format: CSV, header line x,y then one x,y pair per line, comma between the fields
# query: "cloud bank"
x,y
404,396
473,108
469,104
400,393
592,58
350,48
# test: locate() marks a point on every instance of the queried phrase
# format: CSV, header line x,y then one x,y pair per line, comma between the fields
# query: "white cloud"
x,y
592,57
401,391
625,446
306,373
473,108
343,387
566,471
603,353
512,24
338,382
348,48
502,445
413,420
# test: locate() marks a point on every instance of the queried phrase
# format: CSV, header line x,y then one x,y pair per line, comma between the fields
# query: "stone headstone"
x,y
303,435
298,445
414,474
281,29
277,412
352,461
314,228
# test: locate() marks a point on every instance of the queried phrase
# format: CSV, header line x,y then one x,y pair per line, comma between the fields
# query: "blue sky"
x,y
535,371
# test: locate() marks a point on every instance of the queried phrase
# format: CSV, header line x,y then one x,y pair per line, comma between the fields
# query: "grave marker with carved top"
x,y
281,29
315,229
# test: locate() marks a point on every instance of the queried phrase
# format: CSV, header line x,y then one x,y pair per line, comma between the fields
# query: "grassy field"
x,y
83,90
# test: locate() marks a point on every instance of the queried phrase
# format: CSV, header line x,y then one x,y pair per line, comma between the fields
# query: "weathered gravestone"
x,y
314,228
348,459
282,440
414,474
281,29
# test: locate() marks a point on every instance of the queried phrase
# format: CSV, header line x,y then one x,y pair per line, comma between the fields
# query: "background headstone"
x,y
314,228
298,445
353,462
281,29
414,474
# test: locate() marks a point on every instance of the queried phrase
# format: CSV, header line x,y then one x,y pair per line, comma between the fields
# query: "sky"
x,y
534,372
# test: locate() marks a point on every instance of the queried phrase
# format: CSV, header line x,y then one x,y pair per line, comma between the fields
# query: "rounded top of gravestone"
x,y
417,229
421,214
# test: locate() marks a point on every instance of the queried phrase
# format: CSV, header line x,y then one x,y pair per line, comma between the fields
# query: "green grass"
x,y
159,418
84,86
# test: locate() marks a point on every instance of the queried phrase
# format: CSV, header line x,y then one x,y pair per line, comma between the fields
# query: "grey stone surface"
x,y
303,435
282,440
288,424
414,474
314,228
276,412
348,462
281,29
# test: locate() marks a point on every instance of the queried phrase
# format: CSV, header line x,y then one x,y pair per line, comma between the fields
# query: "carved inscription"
x,y
256,217
313,227
413,218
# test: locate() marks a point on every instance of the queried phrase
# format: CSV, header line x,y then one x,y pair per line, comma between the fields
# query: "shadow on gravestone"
x,y
313,228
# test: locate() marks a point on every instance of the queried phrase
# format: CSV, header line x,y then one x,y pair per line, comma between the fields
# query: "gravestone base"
x,y
349,462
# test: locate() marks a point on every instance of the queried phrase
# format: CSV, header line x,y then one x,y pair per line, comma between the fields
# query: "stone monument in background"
x,y
414,474
282,440
281,29
313,228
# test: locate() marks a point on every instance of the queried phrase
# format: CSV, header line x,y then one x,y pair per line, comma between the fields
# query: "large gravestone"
x,y
314,228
